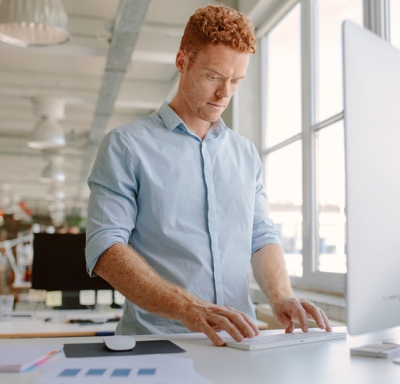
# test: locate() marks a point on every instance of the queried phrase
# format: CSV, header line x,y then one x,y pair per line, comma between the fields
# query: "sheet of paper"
x,y
21,355
154,369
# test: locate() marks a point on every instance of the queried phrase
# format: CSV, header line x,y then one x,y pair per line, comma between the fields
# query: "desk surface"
x,y
57,326
323,362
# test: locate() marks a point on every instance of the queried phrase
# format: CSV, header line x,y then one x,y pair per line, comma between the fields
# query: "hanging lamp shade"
x,y
47,133
52,173
56,191
33,22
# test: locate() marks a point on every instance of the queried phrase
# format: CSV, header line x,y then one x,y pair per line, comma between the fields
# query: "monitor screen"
x,y
372,147
59,264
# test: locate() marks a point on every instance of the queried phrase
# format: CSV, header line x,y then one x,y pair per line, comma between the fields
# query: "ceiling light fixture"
x,y
48,133
53,172
56,192
33,22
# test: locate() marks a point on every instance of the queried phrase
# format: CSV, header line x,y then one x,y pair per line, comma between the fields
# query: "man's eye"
x,y
212,77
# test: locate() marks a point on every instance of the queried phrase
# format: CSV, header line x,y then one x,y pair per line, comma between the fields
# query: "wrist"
x,y
187,305
276,298
179,303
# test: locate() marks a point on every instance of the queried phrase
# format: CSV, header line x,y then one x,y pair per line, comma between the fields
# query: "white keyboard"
x,y
284,339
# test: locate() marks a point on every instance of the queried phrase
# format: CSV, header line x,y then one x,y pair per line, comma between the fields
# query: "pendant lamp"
x,y
33,22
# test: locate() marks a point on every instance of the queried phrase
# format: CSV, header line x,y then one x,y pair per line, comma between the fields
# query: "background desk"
x,y
58,326
317,363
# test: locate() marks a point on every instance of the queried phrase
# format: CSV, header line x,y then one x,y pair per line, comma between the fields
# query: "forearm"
x,y
269,270
130,274
270,273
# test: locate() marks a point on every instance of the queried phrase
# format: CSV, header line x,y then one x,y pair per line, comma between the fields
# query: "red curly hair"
x,y
218,24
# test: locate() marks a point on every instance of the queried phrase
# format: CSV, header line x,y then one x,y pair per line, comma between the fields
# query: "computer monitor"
x,y
371,69
59,265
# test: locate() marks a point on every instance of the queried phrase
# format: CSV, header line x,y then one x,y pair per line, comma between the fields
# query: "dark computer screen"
x,y
59,264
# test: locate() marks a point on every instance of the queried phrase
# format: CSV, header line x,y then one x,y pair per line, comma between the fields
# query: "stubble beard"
x,y
198,110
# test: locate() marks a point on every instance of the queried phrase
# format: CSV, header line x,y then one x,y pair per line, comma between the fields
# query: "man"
x,y
177,208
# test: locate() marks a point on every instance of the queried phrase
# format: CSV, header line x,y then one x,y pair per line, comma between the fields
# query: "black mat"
x,y
141,348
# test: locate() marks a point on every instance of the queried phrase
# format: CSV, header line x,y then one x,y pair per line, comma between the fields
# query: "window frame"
x,y
376,16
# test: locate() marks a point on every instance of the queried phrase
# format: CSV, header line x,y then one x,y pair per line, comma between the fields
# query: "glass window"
x,y
395,23
331,199
330,16
283,113
285,178
284,188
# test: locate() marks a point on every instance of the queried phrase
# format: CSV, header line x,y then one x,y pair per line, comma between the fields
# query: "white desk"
x,y
316,363
57,326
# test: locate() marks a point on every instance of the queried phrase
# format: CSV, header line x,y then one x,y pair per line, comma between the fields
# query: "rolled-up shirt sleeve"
x,y
112,207
264,231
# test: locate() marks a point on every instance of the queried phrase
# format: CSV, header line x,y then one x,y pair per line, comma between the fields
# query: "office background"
x,y
290,106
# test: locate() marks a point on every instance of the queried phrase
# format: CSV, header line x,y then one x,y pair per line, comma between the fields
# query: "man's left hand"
x,y
288,310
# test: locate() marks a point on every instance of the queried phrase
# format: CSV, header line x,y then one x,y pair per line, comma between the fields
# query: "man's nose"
x,y
223,89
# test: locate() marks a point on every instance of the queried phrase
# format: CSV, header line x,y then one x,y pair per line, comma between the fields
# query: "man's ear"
x,y
181,61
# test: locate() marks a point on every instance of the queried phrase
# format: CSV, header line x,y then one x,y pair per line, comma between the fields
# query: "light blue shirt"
x,y
195,209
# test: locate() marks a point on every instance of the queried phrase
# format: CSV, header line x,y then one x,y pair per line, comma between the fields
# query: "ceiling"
x,y
106,79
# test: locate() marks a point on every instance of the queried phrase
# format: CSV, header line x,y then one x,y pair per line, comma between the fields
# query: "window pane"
x,y
395,23
331,197
284,80
284,189
330,16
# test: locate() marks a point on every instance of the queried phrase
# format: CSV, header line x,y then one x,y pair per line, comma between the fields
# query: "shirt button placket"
x,y
212,223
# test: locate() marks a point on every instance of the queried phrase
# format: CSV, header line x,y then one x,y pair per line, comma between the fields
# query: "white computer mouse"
x,y
120,342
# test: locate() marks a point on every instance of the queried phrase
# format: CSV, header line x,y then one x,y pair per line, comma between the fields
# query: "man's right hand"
x,y
120,266
209,318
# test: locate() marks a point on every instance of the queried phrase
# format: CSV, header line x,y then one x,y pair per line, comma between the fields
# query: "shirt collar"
x,y
172,121
216,128
169,117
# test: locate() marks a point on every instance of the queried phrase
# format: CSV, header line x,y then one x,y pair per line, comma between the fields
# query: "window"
x,y
283,180
303,138
331,199
283,168
328,21
284,80
395,23
329,141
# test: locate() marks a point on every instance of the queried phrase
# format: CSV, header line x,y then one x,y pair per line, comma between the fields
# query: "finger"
x,y
225,324
290,327
286,322
243,322
300,314
251,323
212,335
326,320
315,313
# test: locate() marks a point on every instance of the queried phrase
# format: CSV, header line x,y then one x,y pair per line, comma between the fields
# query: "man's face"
x,y
208,83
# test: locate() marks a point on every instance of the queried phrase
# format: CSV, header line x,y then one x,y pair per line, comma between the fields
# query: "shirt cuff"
x,y
97,245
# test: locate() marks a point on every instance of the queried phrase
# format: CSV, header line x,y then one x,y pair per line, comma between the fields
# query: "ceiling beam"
x,y
128,22
102,28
